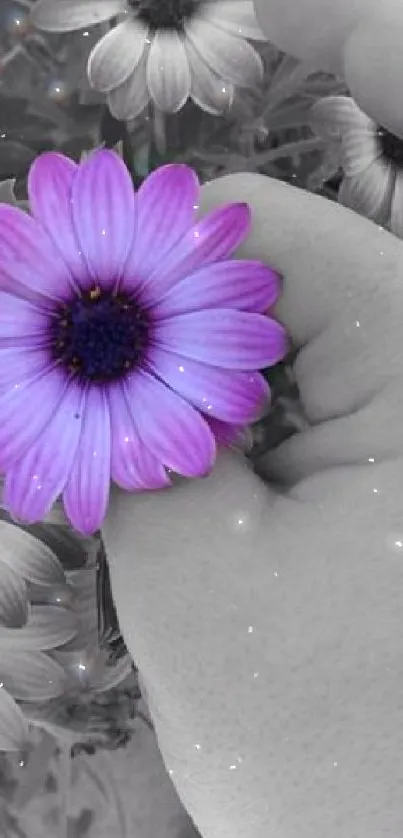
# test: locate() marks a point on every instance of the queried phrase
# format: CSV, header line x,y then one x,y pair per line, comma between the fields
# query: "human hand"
x,y
266,621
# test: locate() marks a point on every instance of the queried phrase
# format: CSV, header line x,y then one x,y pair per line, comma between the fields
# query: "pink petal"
x,y
134,468
19,364
87,492
34,397
173,431
225,434
14,732
166,205
50,183
20,319
236,397
215,237
225,338
34,482
104,214
248,286
30,265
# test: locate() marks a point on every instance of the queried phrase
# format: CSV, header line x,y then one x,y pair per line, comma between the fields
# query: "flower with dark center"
x,y
99,336
164,51
369,155
391,146
164,14
129,343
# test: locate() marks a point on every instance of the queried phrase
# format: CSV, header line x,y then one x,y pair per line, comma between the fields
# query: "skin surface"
x,y
359,39
267,622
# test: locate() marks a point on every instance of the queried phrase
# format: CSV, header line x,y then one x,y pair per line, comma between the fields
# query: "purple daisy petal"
x,y
103,208
34,396
232,396
246,286
19,364
30,265
222,337
86,494
166,204
225,434
214,237
36,480
50,182
171,429
20,320
134,468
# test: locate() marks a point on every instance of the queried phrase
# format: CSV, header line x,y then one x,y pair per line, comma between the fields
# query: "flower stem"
x,y
160,134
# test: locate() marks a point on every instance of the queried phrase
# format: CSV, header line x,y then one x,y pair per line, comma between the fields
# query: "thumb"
x,y
265,626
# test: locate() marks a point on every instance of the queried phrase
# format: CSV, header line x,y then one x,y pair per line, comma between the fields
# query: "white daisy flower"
x,y
370,157
32,625
164,50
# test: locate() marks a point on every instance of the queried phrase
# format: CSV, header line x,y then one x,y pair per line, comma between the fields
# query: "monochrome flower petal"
x,y
208,90
168,72
370,193
29,557
396,217
131,98
359,149
332,116
103,678
31,676
13,597
116,55
47,627
69,15
231,58
14,730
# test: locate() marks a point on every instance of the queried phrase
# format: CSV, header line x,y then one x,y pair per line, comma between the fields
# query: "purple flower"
x,y
123,330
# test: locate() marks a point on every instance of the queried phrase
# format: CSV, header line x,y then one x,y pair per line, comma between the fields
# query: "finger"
x,y
341,284
371,434
266,631
330,258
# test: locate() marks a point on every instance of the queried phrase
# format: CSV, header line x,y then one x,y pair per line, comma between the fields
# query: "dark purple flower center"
x,y
391,146
164,14
99,336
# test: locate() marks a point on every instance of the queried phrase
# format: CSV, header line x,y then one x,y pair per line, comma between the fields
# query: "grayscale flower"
x,y
370,157
32,627
164,51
